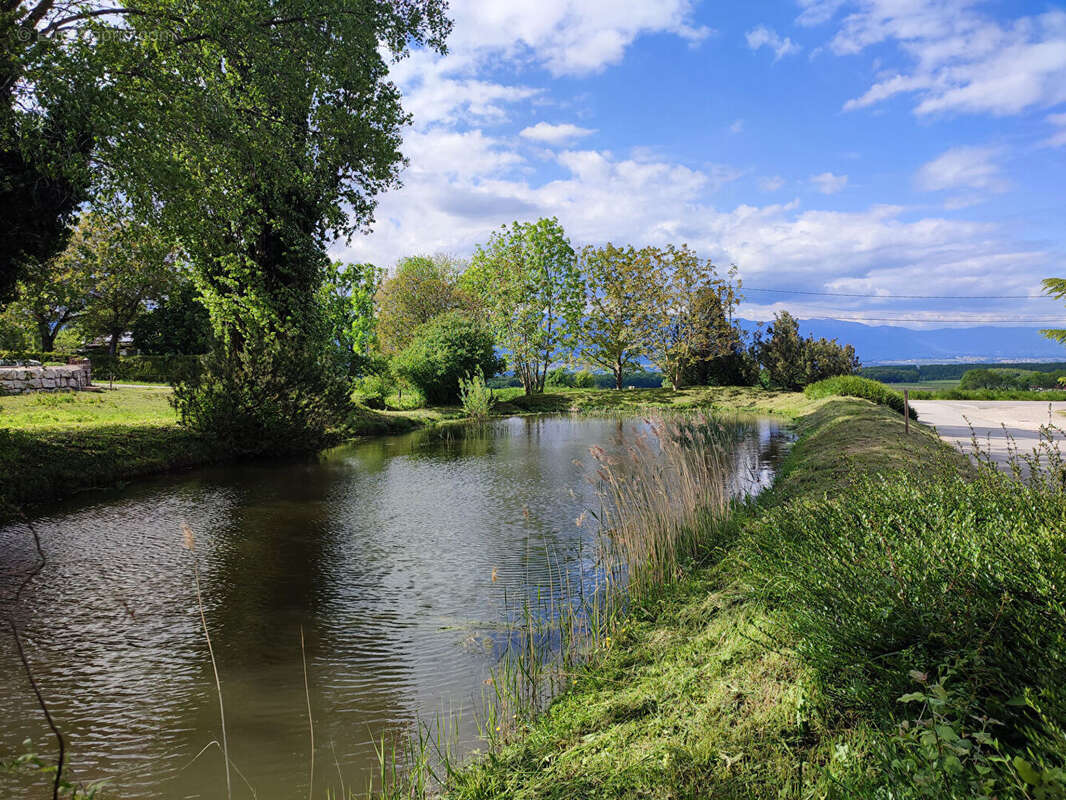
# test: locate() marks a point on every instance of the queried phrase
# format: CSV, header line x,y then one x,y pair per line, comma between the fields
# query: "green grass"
x,y
731,398
697,698
56,444
87,410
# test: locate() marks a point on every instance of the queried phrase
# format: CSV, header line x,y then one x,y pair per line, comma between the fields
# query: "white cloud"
x,y
767,37
462,186
547,133
828,183
737,126
568,37
1058,138
961,59
771,184
975,168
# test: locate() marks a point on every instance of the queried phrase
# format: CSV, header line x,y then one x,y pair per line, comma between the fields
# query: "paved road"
x,y
1022,420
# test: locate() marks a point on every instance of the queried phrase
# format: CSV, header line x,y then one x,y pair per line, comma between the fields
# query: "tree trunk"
x,y
618,374
112,348
47,335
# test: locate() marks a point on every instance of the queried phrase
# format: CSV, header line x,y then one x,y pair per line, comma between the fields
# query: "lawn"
x,y
83,410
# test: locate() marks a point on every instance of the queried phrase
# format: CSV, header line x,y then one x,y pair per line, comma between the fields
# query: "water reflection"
x,y
382,553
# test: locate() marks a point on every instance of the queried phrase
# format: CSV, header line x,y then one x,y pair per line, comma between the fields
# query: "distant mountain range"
x,y
890,344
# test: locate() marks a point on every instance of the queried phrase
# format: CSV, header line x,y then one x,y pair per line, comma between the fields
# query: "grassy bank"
x,y
54,445
849,635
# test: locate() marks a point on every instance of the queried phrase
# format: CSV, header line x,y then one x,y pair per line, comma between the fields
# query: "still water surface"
x,y
381,553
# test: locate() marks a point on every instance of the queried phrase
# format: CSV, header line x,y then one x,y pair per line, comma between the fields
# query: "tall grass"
x,y
476,398
932,606
654,498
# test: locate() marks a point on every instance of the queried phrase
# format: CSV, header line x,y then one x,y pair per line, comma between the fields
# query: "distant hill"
x,y
889,344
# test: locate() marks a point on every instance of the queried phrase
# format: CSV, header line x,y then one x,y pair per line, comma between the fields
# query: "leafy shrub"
x,y
941,576
267,397
1009,379
449,347
476,397
373,390
560,377
854,386
584,380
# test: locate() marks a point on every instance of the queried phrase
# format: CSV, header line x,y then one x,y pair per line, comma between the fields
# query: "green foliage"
x,y
793,362
375,388
892,374
347,301
126,264
443,351
1009,378
620,307
855,386
1056,287
476,398
946,575
421,288
178,324
945,747
691,308
52,296
267,396
30,763
528,283
145,369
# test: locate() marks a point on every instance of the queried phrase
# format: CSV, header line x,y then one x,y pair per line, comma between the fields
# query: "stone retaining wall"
x,y
19,380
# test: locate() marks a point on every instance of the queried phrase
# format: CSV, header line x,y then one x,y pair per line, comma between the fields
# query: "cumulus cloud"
x,y
767,37
450,207
974,170
546,133
828,183
961,60
567,37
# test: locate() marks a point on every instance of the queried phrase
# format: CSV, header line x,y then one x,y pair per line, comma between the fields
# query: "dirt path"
x,y
1022,420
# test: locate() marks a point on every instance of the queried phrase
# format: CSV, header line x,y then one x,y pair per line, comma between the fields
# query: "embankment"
x,y
775,668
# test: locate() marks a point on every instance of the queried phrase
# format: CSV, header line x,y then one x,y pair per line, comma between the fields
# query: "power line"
x,y
900,296
976,320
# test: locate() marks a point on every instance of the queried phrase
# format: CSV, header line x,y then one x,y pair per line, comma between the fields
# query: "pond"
x,y
394,559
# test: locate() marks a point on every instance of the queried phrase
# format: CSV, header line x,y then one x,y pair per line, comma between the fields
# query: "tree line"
x,y
529,295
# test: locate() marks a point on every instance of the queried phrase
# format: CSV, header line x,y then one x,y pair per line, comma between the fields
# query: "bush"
x,y
373,390
476,397
903,582
268,397
854,386
560,377
449,347
793,362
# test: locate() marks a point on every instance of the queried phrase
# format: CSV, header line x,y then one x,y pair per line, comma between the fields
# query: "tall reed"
x,y
656,498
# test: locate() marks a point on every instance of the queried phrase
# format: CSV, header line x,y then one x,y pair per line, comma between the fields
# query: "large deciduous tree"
x,y
254,132
682,328
421,288
619,308
51,297
528,281
348,299
49,98
128,264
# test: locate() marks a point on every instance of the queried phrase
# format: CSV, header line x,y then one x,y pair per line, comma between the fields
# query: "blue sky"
x,y
879,147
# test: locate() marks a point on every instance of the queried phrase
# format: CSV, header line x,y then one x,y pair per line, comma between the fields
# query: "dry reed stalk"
x,y
189,540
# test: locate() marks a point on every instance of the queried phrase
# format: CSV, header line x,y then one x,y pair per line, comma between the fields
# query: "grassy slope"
x,y
691,702
53,445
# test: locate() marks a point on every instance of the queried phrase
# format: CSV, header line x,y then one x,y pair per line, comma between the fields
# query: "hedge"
x,y
855,386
